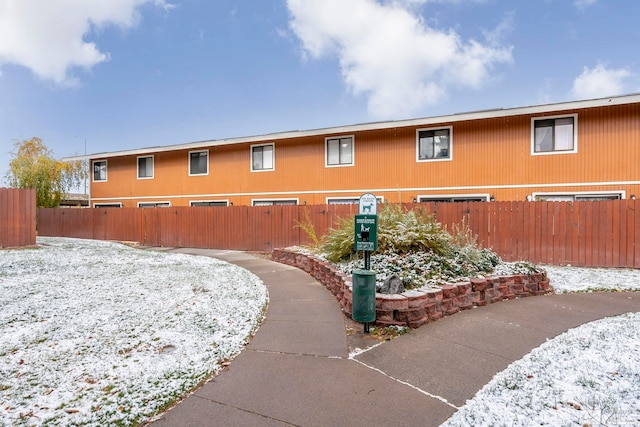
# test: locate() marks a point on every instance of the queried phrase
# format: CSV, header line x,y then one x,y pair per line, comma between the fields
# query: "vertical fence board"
x,y
590,236
499,240
567,226
481,225
517,229
636,242
13,212
496,229
542,239
4,218
557,230
12,218
530,223
7,216
580,239
541,253
574,226
510,238
600,224
620,235
612,243
630,215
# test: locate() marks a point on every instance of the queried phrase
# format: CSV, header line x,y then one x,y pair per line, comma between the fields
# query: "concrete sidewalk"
x,y
297,370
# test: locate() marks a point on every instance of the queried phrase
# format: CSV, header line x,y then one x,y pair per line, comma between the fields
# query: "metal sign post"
x,y
364,281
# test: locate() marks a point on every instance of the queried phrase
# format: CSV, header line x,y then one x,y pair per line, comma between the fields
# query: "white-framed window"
x,y
262,157
154,204
343,200
99,170
454,198
199,162
554,134
273,202
348,200
434,144
339,151
108,205
580,196
145,167
209,203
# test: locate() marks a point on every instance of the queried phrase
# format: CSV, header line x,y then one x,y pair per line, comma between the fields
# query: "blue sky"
x,y
123,74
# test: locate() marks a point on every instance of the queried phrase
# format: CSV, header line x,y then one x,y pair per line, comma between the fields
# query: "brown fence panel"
x,y
17,217
579,233
266,219
520,230
636,244
602,233
631,232
573,225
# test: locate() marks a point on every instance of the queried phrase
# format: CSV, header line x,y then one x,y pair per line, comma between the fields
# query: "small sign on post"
x,y
368,204
366,233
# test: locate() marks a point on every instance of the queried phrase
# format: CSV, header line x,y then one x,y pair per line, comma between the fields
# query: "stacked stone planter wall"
x,y
415,308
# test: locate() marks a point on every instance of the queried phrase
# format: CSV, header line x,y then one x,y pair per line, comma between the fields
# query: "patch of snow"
x,y
98,333
579,279
358,351
589,375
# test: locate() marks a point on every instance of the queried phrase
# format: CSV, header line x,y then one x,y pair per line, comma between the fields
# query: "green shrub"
x,y
399,231
413,245
337,244
402,231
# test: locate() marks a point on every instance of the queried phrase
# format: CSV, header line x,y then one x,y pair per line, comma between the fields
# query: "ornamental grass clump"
x,y
413,245
399,231
403,231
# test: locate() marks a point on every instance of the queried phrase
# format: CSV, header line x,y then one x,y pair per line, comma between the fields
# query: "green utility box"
x,y
364,296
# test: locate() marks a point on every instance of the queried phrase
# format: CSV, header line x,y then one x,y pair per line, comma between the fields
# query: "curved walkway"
x,y
297,372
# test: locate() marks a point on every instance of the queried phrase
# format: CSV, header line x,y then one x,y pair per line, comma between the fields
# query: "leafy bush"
x,y
414,246
399,231
402,231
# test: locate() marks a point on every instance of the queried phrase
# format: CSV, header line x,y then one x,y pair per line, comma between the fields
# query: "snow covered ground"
x,y
97,333
588,376
577,279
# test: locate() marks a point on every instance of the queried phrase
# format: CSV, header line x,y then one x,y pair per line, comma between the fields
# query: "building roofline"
x,y
425,121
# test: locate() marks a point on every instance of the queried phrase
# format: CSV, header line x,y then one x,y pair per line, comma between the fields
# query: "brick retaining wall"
x,y
415,308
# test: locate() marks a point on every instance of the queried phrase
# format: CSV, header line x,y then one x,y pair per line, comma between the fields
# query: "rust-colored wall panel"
x,y
17,217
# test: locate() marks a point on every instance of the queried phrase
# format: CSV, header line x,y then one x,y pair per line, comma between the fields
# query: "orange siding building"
x,y
566,151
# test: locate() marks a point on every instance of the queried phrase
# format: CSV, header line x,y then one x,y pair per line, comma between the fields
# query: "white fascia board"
x,y
425,121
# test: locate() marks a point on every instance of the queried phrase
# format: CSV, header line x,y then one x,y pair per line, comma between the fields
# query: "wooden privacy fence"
x,y
589,233
260,228
595,234
17,217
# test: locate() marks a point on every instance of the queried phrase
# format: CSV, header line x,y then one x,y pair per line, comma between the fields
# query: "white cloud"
x,y
599,82
48,37
581,4
390,54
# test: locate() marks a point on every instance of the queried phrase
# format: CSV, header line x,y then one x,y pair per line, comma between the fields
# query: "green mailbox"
x,y
366,233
